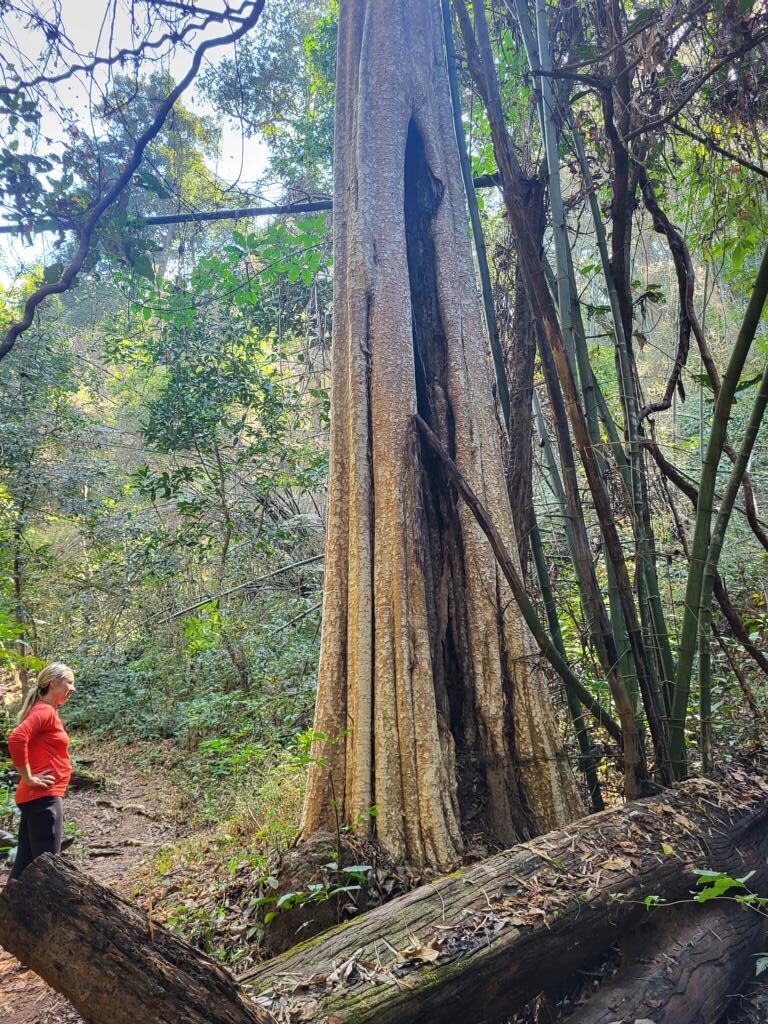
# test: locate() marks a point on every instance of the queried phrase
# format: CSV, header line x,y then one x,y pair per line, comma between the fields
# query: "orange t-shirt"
x,y
41,742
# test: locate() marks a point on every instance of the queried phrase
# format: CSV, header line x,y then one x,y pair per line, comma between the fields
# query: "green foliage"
x,y
281,88
197,926
716,884
718,200
9,812
195,700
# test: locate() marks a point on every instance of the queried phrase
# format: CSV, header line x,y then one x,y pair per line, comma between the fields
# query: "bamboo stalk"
x,y
474,217
563,288
710,569
651,608
588,760
540,59
481,65
580,728
704,512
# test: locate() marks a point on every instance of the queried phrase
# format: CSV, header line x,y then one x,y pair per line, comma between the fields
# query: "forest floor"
x,y
116,829
119,831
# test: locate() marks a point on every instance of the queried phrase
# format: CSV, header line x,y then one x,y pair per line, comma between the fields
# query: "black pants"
x,y
40,831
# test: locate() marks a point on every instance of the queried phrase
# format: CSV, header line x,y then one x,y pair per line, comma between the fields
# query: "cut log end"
x,y
108,959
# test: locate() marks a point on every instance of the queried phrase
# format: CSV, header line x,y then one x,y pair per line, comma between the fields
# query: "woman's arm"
x,y
18,748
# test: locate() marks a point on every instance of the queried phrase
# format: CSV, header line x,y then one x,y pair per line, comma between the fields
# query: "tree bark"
x,y
108,958
479,944
429,707
684,971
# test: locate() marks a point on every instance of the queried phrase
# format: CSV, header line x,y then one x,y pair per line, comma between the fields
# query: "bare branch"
x,y
174,37
109,197
711,144
199,216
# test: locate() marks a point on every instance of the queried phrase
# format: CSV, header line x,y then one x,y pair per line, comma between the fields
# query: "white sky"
x,y
88,27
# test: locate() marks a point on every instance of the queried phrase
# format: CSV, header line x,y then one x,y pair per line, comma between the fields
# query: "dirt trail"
x,y
116,829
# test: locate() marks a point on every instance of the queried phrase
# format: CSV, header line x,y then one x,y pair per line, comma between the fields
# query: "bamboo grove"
x,y
649,672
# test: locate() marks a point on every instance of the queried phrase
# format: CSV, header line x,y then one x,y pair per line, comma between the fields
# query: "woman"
x,y
39,750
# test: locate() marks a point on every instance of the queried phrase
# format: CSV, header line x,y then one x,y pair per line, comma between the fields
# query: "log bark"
x,y
688,971
105,955
481,943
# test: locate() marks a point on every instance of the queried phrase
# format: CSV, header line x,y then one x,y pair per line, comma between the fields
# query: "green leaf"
x,y
152,183
703,379
718,884
142,265
648,14
288,899
653,901
749,383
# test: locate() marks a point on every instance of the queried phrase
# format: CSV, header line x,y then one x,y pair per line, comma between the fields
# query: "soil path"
x,y
115,829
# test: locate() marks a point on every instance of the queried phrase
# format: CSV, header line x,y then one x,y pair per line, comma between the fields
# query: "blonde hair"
x,y
53,673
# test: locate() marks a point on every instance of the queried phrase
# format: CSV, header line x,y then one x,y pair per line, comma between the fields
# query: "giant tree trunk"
x,y
431,703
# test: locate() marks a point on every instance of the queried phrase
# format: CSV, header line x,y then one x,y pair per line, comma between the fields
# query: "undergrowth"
x,y
244,806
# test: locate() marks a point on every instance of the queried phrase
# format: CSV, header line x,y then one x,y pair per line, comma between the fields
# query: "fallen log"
x,y
478,945
82,778
108,958
687,971
472,947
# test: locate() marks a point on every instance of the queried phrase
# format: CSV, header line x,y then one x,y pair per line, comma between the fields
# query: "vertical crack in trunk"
x,y
441,539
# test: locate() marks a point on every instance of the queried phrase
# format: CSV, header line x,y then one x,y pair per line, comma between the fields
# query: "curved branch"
x,y
685,282
711,144
109,197
127,53
689,321
516,585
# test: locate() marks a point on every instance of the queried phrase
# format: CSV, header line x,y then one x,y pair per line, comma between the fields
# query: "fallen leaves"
x,y
421,954
617,864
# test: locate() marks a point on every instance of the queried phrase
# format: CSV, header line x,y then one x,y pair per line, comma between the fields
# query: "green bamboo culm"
x,y
704,513
540,60
574,703
710,569
651,608
474,218
562,285
586,750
